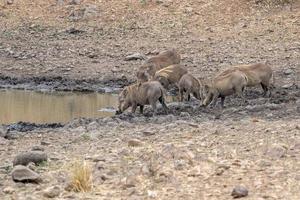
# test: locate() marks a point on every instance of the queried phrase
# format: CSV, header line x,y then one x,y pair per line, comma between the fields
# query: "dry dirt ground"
x,y
191,153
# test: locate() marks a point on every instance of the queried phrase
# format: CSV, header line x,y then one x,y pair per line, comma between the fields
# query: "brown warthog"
x,y
257,74
189,84
170,75
155,63
140,94
225,85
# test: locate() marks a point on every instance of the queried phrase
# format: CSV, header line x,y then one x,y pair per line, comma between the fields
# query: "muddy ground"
x,y
189,153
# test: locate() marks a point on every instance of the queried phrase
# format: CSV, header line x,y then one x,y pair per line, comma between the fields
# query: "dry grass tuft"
x,y
81,177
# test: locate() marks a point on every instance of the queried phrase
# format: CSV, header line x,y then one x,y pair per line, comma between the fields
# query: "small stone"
x,y
31,156
288,72
276,152
179,164
75,2
92,126
264,163
134,143
59,2
31,166
184,114
193,125
152,194
287,86
148,133
220,171
239,191
52,192
3,131
45,143
9,2
135,56
128,182
24,174
37,148
8,190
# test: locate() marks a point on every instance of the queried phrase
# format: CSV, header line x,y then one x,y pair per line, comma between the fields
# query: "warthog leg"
x,y
181,92
214,100
222,101
133,107
240,94
141,109
162,101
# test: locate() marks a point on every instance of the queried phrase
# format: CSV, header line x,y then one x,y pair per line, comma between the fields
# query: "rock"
x,y
12,135
8,190
45,143
3,131
75,2
263,163
129,182
184,114
31,166
179,164
9,2
276,152
152,194
24,174
60,2
134,143
148,133
3,141
31,156
92,126
135,56
52,192
287,86
193,125
239,191
37,148
288,72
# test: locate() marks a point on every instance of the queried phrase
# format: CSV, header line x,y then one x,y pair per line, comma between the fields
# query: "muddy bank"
x,y
284,104
59,83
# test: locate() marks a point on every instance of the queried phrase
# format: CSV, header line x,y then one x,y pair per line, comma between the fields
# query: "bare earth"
x,y
191,153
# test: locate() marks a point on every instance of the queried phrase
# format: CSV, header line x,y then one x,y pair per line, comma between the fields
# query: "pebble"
x,y
276,152
288,72
135,56
8,190
52,192
239,191
134,143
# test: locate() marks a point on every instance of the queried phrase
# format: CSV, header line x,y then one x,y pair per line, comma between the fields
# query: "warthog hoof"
x,y
118,112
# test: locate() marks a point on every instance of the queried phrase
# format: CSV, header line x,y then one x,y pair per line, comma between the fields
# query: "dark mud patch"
x,y
25,126
58,83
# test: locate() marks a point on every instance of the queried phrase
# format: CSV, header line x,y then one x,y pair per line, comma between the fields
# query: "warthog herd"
x,y
159,73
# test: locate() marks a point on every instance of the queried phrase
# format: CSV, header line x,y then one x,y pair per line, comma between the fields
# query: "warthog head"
x,y
121,98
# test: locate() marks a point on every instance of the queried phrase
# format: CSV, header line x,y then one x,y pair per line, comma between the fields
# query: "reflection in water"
x,y
54,107
50,107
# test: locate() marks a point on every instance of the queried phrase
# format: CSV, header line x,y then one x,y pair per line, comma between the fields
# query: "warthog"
x,y
140,94
225,85
155,63
188,84
170,75
257,74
